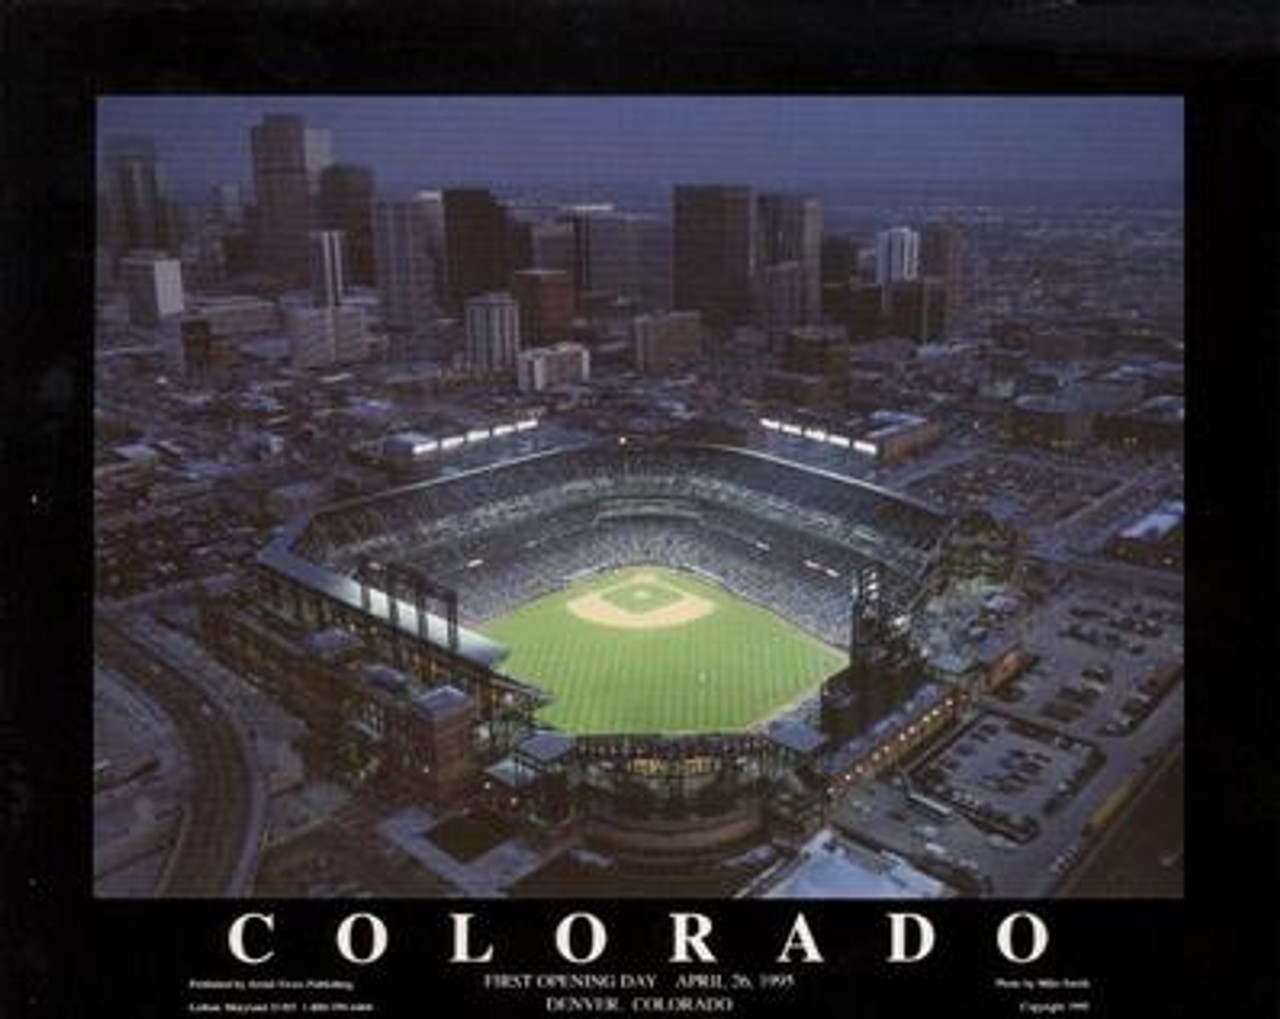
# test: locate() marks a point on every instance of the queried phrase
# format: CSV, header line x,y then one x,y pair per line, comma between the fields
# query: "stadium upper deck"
x,y
321,551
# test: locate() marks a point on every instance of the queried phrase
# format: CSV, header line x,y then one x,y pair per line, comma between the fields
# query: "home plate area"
x,y
643,601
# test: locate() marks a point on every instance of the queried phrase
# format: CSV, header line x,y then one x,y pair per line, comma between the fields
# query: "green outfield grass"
x,y
731,667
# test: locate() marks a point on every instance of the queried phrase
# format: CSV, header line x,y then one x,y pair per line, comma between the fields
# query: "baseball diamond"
x,y
649,649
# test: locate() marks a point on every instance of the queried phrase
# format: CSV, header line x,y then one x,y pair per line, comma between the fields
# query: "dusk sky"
x,y
662,140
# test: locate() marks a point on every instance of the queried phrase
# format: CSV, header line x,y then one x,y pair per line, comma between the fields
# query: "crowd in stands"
x,y
779,534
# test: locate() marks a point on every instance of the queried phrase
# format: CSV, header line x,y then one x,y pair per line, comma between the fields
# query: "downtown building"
x,y
492,324
328,267
408,242
483,244
941,260
897,256
789,233
137,215
541,368
546,299
345,202
321,337
663,342
619,256
153,287
288,158
329,332
713,252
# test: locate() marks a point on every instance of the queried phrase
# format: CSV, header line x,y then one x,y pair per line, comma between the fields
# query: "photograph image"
x,y
633,497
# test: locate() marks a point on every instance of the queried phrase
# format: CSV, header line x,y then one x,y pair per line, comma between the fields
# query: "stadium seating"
x,y
782,535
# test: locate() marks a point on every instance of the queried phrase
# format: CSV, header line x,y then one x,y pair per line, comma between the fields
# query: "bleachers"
x,y
780,534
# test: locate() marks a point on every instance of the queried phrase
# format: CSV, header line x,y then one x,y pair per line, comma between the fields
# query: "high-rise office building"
x,y
408,240
546,302
713,252
493,332
609,251
789,229
153,286
897,255
226,206
781,297
553,246
940,259
915,310
479,238
288,158
328,267
345,202
133,193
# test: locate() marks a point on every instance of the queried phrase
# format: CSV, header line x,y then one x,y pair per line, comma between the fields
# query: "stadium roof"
x,y
830,868
506,772
545,747
332,642
441,702
797,736
280,557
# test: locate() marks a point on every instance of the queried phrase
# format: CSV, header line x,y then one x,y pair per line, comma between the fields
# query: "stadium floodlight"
x,y
452,442
770,424
817,434
867,448
477,434
791,429
842,441
524,426
500,430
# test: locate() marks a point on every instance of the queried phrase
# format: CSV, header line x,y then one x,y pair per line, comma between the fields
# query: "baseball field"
x,y
649,649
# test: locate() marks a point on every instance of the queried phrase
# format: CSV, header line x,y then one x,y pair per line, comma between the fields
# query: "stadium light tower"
x,y
864,590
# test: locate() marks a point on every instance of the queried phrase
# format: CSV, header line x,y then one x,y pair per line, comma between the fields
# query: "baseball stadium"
x,y
674,651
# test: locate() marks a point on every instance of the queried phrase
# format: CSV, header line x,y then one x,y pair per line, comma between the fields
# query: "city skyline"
x,y
661,141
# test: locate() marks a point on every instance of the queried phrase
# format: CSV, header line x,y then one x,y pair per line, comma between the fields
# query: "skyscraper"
x,y
546,304
552,245
609,251
133,193
897,255
940,259
781,297
226,205
478,240
493,332
287,160
713,256
408,254
328,267
789,229
346,204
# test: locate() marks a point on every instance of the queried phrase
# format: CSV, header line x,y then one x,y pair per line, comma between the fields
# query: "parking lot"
x,y
1008,775
1105,657
1027,493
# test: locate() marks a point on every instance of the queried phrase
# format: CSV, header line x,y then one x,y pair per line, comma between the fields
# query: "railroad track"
x,y
208,859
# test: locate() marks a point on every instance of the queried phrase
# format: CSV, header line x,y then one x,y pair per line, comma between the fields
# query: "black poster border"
x,y
1215,949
